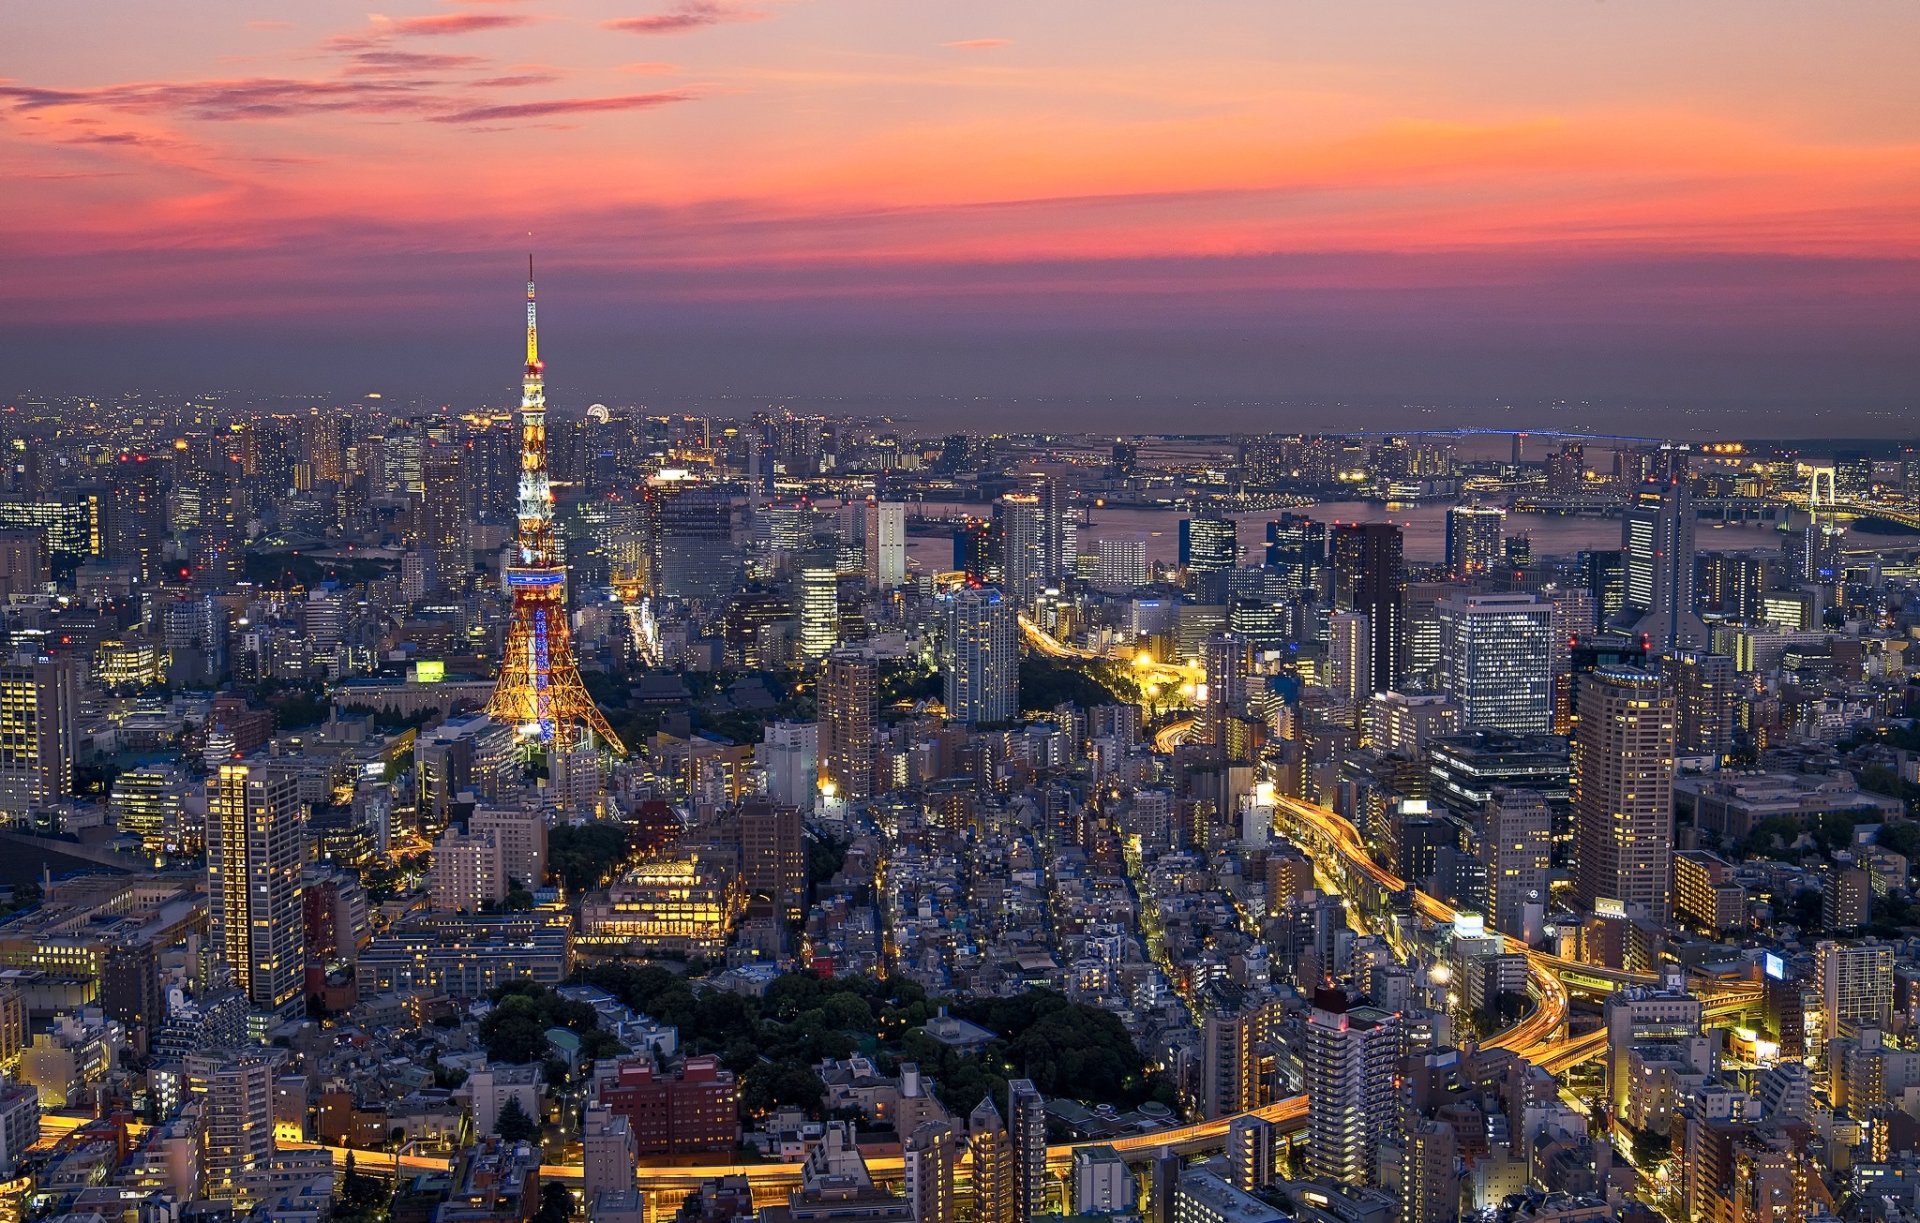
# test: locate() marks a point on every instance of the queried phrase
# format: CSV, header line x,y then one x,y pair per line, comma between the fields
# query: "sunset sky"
x,y
1701,204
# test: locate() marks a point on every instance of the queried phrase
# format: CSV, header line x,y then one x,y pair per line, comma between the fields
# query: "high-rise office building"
x,y
1657,540
1027,1130
1350,657
692,555
1370,576
1351,1060
254,922
1297,549
994,1173
1227,660
1209,546
38,733
973,550
818,597
1604,573
886,543
1059,531
442,513
1496,660
1122,564
137,515
1516,846
848,690
980,656
773,856
1706,698
1474,540
1623,791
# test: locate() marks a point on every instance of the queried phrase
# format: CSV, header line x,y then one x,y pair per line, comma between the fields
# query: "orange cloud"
x,y
979,44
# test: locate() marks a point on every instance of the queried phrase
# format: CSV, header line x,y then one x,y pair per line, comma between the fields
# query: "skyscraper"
x,y
1122,564
1209,550
1350,657
692,556
1370,576
254,922
38,733
818,596
1027,1128
1351,1057
1657,536
1059,531
886,543
980,656
847,708
973,550
773,856
1228,662
1496,660
540,689
1232,1034
993,1167
442,514
1297,549
1474,540
1623,791
1019,523
1706,693
1516,846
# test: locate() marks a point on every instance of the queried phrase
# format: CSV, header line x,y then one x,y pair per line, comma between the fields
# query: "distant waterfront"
x,y
1424,526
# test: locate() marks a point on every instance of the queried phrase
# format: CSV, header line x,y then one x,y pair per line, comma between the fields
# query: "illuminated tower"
x,y
540,690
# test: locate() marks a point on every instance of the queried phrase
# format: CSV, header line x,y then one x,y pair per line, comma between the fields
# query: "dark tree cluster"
x,y
773,1042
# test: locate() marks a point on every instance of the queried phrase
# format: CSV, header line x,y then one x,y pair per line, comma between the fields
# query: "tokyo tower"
x,y
540,690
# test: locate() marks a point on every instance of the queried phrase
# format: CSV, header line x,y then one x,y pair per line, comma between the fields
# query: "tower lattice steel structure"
x,y
540,690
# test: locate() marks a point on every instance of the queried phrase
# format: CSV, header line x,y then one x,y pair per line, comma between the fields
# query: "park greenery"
x,y
773,1042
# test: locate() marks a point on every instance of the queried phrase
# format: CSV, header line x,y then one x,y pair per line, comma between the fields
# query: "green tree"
x,y
513,1124
556,1204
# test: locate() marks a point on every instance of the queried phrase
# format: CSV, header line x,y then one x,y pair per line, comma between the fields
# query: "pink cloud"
x,y
979,44
650,67
562,106
433,25
684,17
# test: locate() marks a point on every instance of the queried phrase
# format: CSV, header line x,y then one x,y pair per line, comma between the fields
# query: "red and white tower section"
x,y
539,690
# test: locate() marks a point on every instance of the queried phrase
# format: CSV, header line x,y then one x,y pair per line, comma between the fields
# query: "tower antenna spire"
x,y
533,333
539,690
